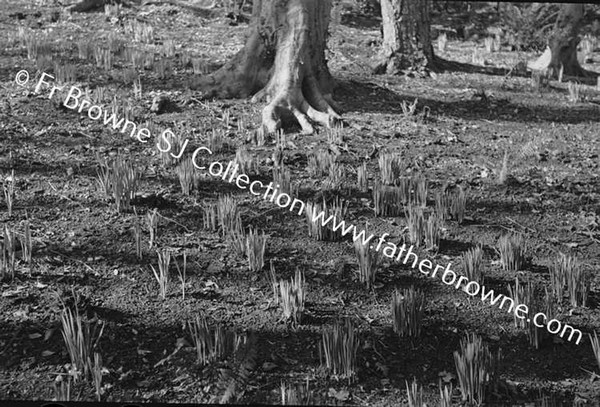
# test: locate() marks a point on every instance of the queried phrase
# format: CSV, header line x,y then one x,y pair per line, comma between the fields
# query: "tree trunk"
x,y
562,44
282,62
406,36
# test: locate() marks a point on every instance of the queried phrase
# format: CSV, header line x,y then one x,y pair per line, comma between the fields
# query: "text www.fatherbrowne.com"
x,y
74,100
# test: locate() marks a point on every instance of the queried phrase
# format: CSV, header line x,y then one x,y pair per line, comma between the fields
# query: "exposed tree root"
x,y
282,64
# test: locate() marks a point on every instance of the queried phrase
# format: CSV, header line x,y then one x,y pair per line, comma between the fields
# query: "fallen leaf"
x,y
341,395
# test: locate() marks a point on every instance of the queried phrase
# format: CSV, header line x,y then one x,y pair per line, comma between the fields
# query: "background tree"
x,y
562,43
406,36
283,62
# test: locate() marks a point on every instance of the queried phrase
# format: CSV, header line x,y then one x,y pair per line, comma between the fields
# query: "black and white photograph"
x,y
299,202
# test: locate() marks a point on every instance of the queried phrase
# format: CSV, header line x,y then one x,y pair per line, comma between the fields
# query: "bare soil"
x,y
466,120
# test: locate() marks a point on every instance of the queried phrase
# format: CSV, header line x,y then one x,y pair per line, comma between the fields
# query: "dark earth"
x,y
465,122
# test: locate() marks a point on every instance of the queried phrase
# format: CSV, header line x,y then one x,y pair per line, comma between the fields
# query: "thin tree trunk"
x,y
283,62
564,40
406,36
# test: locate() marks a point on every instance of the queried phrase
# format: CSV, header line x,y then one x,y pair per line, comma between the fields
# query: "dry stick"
x,y
177,223
518,224
74,259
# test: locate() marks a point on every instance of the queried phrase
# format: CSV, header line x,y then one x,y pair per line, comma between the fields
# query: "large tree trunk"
x,y
406,36
282,62
562,44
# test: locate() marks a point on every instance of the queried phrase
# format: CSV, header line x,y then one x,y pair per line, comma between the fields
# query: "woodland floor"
x,y
81,243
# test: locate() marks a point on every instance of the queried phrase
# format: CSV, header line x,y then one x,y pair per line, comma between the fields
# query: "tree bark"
x,y
406,36
283,62
562,44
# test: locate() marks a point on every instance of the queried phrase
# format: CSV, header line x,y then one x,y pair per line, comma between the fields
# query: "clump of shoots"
x,y
388,200
26,244
416,224
255,250
65,73
137,88
433,228
32,45
152,218
473,368
445,395
442,41
414,393
281,178
419,191
169,145
407,312
391,167
245,161
123,182
212,343
274,282
97,372
9,250
163,68
137,237
104,176
8,186
367,263
458,203
83,49
558,273
519,295
409,109
169,48
296,395
316,230
567,274
575,90
492,44
319,163
534,333
81,340
215,141
472,264
237,240
476,57
293,295
512,252
141,32
210,216
503,175
228,215
181,273
162,276
62,388
595,347
103,58
363,178
335,135
335,177
198,66
339,347
442,205
187,175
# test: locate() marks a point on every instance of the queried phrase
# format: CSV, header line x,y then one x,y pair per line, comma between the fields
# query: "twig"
x,y
518,224
74,259
175,222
